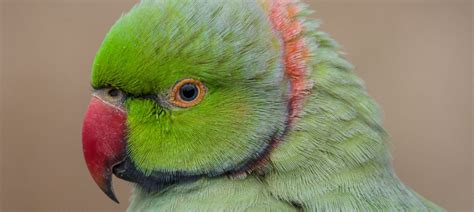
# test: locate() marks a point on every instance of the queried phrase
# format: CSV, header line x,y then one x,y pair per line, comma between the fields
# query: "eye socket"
x,y
187,93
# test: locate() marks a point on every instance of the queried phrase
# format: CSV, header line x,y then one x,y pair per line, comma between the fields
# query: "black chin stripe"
x,y
155,182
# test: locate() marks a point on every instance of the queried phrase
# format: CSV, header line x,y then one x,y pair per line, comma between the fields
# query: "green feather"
x,y
159,43
334,157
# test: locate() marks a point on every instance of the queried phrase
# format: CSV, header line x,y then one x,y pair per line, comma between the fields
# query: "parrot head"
x,y
184,90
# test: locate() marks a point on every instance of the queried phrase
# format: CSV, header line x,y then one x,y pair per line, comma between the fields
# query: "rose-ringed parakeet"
x,y
220,105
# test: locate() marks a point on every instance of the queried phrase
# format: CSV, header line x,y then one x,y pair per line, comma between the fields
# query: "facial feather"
x,y
230,48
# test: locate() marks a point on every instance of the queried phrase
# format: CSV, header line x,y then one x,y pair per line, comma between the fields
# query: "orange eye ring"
x,y
187,93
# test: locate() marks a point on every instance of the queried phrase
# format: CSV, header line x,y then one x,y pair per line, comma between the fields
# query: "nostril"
x,y
113,92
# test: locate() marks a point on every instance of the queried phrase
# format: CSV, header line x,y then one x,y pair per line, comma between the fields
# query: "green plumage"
x,y
159,43
333,158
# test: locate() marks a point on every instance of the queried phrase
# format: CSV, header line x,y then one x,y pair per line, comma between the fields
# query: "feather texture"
x,y
284,110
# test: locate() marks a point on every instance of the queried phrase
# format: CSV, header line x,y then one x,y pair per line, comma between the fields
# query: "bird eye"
x,y
187,93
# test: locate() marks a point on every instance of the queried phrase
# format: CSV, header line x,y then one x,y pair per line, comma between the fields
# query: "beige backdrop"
x,y
415,56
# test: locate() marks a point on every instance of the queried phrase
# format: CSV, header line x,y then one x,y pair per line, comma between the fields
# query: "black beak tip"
x,y
113,198
107,189
111,195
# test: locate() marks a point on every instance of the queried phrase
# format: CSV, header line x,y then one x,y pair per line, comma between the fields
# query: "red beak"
x,y
103,142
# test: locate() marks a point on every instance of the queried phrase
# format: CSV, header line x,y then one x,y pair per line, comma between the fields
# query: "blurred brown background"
x,y
415,57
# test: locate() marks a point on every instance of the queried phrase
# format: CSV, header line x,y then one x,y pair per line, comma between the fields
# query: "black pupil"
x,y
113,92
188,92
